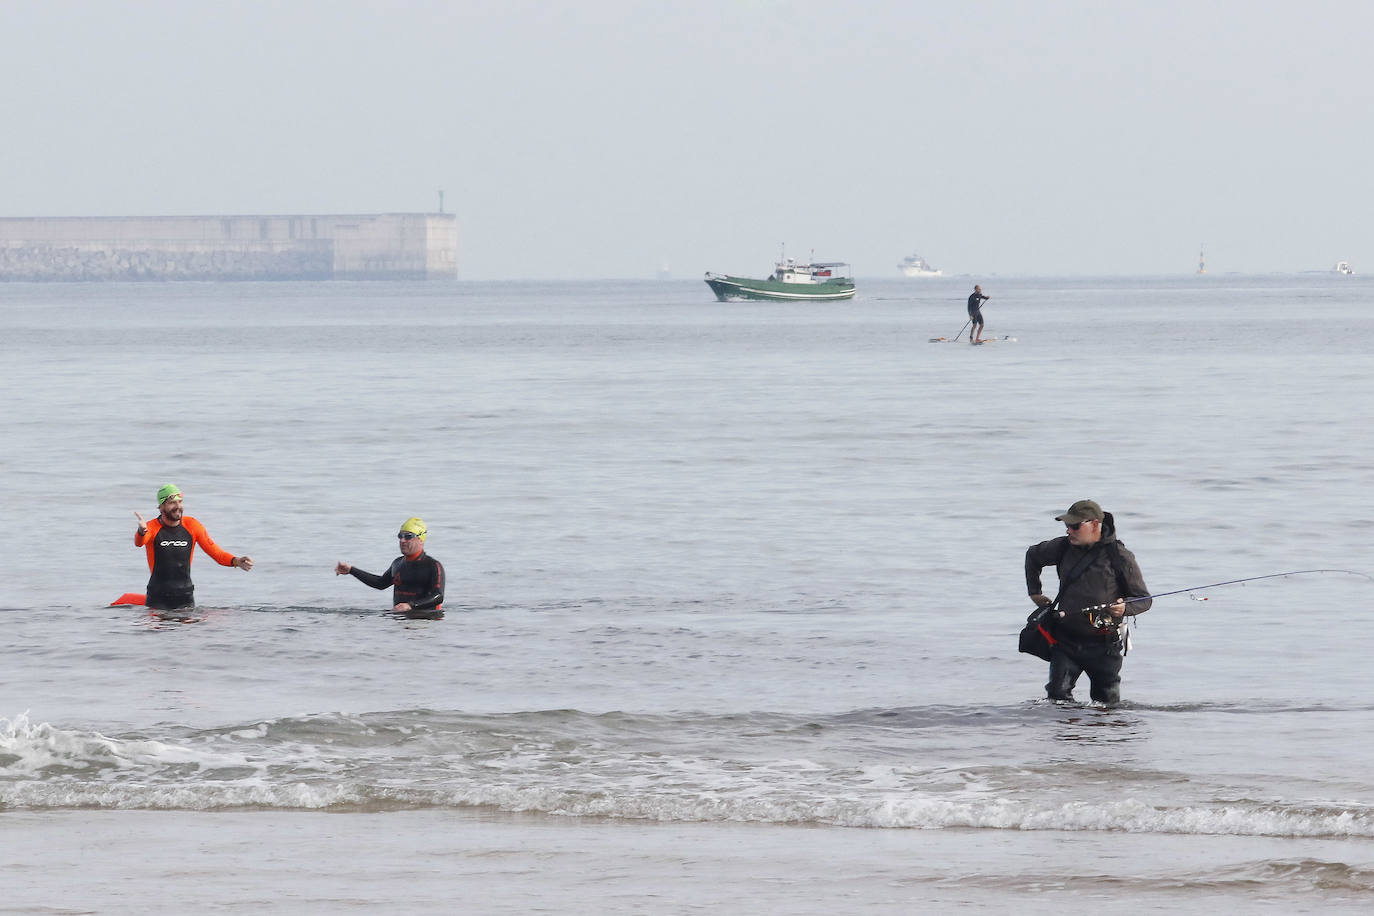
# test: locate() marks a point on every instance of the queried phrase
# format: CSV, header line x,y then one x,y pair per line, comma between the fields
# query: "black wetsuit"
x,y
975,306
170,585
418,582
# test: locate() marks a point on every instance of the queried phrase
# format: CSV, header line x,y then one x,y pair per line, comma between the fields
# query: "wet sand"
x,y
493,862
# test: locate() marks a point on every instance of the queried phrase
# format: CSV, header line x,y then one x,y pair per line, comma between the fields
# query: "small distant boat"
x,y
818,280
1342,267
916,266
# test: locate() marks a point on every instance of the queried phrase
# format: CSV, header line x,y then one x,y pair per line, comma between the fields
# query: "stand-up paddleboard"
x,y
978,343
974,342
129,598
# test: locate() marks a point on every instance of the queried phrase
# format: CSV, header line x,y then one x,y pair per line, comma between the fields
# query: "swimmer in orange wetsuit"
x,y
170,539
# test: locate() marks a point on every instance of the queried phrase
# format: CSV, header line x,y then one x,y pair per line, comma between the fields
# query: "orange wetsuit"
x,y
169,559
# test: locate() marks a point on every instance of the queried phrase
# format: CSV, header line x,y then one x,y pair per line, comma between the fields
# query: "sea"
x,y
733,595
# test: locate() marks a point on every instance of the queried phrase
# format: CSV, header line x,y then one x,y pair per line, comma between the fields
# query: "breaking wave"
x,y
755,768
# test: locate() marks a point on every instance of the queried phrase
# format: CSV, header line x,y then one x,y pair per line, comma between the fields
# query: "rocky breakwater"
x,y
310,259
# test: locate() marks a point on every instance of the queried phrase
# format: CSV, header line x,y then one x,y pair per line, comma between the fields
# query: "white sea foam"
x,y
38,747
46,751
270,765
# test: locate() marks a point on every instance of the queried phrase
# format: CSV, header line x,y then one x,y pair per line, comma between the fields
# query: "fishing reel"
x,y
1100,616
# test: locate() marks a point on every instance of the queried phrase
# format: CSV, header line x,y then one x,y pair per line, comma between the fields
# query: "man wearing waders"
x,y
1095,569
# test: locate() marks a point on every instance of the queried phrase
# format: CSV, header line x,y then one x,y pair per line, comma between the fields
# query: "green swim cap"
x,y
166,492
416,526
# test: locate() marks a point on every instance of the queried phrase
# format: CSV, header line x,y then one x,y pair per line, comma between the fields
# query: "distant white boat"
x,y
1342,267
917,266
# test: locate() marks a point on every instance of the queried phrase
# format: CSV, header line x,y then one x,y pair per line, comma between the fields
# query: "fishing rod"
x,y
1198,588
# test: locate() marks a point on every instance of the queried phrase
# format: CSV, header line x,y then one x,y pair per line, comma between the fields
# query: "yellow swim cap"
x,y
415,526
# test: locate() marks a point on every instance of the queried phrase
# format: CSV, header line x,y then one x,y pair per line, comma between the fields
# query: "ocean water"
x,y
733,593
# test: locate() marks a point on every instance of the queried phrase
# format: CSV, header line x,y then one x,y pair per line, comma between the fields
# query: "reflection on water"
x,y
162,620
1093,724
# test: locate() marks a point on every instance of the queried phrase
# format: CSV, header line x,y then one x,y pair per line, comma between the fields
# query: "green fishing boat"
x,y
819,280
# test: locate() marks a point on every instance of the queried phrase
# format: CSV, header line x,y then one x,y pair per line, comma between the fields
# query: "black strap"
x,y
1114,557
1079,568
1039,614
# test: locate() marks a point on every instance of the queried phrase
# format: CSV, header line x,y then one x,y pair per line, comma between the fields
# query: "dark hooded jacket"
x,y
1098,581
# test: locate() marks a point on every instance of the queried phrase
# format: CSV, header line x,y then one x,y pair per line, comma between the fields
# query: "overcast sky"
x,y
608,138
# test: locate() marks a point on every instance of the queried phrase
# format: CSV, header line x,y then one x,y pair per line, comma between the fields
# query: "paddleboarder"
x,y
1094,568
169,540
416,578
975,313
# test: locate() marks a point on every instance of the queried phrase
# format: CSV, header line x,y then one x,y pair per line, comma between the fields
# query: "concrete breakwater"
x,y
383,246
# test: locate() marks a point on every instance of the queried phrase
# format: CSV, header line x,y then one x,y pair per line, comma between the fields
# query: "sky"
x,y
613,138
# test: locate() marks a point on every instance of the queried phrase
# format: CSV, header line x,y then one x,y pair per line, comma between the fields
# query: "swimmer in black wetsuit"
x,y
416,578
975,313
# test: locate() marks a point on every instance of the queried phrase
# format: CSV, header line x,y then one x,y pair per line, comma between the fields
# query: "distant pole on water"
x,y
441,200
